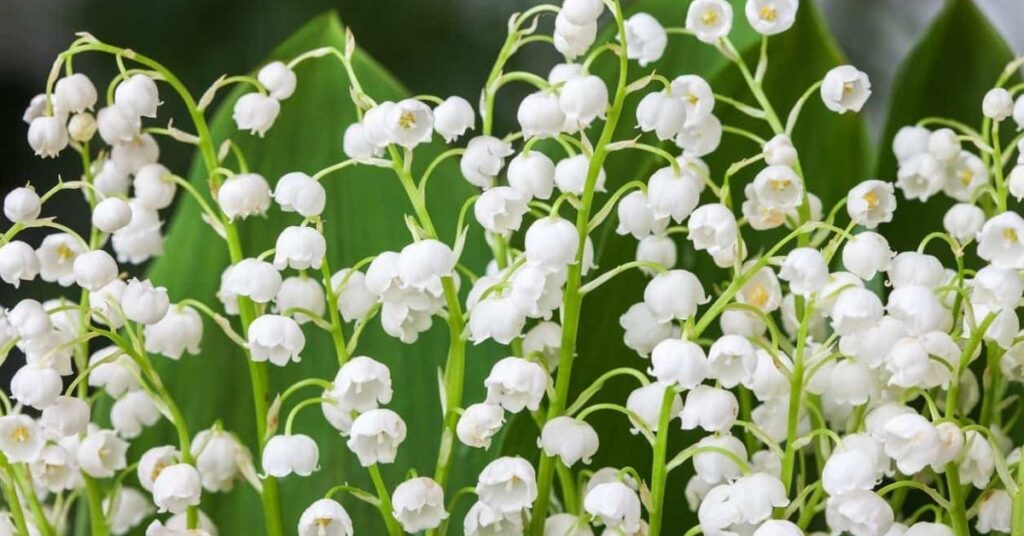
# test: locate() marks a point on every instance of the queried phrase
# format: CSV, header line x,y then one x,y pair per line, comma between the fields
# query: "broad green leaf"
x,y
834,156
945,75
364,216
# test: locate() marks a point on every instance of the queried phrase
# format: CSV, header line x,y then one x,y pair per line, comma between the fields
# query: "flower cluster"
x,y
827,375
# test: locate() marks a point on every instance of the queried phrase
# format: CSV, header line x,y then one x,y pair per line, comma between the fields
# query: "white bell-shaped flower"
x,y
54,470
453,117
154,189
673,195
572,39
912,441
177,488
978,461
732,361
645,403
569,439
515,383
995,512
479,423
419,504
697,97
300,248
362,384
943,144
218,457
36,386
113,371
144,303
871,203
278,78
996,287
709,20
179,331
583,99
483,159
921,177
657,249
141,239
571,175
674,295
111,215
846,471
963,221
507,485
911,268
540,115
635,215
153,462
354,299
500,210
357,146
117,125
709,408
138,95
679,363
244,195
131,155
298,192
74,93
18,262
422,264
866,254
552,242
910,141
713,228
532,174
616,504
47,136
482,520
771,17
66,416
779,150
805,271
715,467
375,436
275,338
700,137
21,440
642,331
133,412
325,517
22,205
919,308
582,11
301,292
661,113
256,113
101,454
287,454
252,278
856,310
859,512
1000,240
409,122
566,525
845,88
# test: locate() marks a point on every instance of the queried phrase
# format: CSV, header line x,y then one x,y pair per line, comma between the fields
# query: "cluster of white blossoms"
x,y
829,376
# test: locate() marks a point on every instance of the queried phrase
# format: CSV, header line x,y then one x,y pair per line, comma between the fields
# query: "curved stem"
x,y
659,472
384,499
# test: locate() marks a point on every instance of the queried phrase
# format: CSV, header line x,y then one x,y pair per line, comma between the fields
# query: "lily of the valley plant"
x,y
841,386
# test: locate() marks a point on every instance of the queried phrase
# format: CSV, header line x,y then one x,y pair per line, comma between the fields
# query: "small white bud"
x,y
138,96
154,188
112,214
278,79
572,39
22,205
997,104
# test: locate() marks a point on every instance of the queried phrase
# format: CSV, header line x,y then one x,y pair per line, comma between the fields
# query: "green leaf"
x,y
946,75
364,216
834,156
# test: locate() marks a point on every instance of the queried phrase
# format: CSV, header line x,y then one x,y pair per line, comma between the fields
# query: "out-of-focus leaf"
x,y
364,216
834,156
945,75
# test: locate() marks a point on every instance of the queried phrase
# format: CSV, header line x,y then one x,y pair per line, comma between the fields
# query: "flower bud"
x,y
845,88
74,93
256,113
82,127
354,299
375,436
997,104
94,269
278,78
356,145
154,189
22,205
112,214
582,11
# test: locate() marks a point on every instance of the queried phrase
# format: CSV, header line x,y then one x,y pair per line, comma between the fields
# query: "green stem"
x,y
795,396
573,299
11,497
659,472
384,498
957,501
